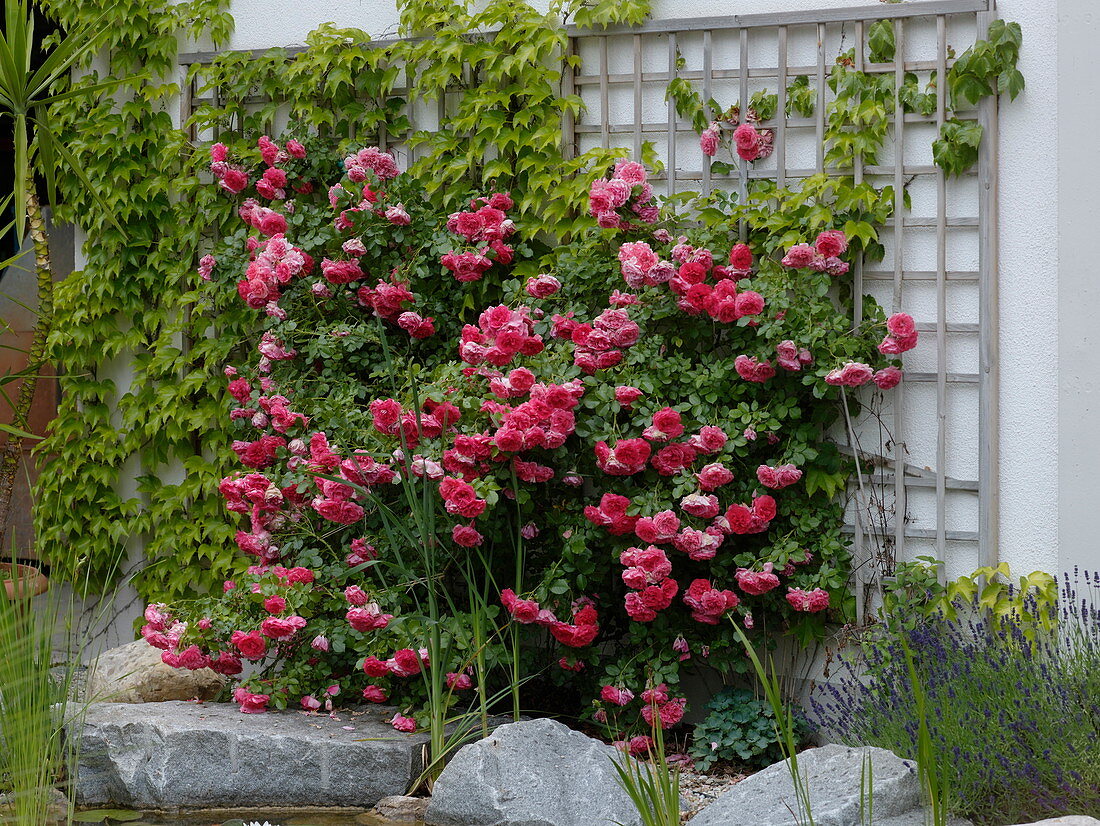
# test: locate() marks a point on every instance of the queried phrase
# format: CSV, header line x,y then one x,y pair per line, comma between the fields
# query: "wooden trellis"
x,y
622,75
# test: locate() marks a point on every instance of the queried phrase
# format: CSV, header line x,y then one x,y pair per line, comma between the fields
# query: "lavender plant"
x,y
1012,715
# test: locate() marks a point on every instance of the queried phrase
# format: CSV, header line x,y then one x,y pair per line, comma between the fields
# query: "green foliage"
x,y
786,727
801,97
689,103
988,67
956,148
505,132
913,99
136,295
857,118
738,727
915,591
881,44
764,103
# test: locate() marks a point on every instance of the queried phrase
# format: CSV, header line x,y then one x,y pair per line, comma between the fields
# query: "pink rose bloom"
x,y
747,140
750,369
852,374
459,682
374,694
757,582
367,618
704,506
310,703
831,243
714,476
251,703
193,659
627,395
617,696
630,171
901,325
251,645
798,256
356,595
320,643
406,724
274,605
281,628
667,421
466,536
708,141
741,257
542,286
808,601
887,378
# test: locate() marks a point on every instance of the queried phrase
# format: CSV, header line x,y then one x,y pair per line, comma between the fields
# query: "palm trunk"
x,y
13,450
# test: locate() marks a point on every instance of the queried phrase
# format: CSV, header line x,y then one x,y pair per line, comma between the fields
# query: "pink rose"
x,y
708,141
887,378
831,243
374,694
401,723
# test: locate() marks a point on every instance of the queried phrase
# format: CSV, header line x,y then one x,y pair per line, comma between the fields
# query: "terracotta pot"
x,y
23,581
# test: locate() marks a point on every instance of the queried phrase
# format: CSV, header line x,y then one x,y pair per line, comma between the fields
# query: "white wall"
x,y
1078,68
1046,442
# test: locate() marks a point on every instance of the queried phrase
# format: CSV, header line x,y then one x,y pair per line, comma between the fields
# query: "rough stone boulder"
x,y
134,673
833,772
532,773
401,809
186,755
1068,820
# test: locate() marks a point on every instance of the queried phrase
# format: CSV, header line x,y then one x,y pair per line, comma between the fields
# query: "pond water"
x,y
274,817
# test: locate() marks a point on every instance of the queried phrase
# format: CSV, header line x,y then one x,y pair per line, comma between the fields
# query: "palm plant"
x,y
27,93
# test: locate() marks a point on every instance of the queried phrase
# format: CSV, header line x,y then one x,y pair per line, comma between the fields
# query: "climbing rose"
x,y
627,395
251,703
887,378
617,696
374,694
741,257
798,256
748,142
808,601
831,243
714,476
708,141
852,374
251,645
757,582
542,286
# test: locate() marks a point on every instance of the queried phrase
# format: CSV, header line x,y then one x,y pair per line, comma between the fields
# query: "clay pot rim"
x,y
39,584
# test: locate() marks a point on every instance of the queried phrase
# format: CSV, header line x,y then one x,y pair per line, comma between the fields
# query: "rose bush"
x,y
616,437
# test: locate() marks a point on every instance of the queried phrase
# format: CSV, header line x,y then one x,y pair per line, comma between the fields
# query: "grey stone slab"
x,y
174,755
833,773
532,773
1067,820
